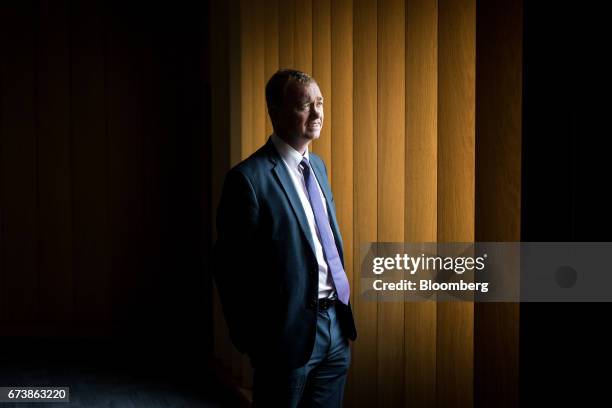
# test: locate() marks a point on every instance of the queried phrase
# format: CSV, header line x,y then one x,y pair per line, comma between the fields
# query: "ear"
x,y
274,114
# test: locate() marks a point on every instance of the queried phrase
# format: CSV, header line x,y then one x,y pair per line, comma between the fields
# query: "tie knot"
x,y
305,165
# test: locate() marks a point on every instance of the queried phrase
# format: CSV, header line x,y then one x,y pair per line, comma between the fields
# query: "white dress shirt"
x,y
292,159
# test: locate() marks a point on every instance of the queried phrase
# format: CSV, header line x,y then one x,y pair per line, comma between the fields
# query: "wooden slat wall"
x,y
247,65
101,174
421,168
456,173
259,82
270,48
362,390
391,183
233,21
399,80
286,33
322,71
302,35
341,174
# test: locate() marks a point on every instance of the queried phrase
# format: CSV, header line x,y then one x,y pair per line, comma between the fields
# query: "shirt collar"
x,y
291,156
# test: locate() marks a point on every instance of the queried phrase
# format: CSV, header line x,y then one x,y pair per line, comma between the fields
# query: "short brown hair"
x,y
275,88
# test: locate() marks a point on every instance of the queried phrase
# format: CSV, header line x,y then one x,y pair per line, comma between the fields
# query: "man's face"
x,y
302,113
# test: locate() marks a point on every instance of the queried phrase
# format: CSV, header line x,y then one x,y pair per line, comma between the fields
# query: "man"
x,y
279,263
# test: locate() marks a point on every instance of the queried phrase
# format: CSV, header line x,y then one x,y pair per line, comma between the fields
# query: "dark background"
x,y
565,348
105,206
105,226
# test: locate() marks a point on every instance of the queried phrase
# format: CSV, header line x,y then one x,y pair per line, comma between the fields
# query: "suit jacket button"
x,y
313,303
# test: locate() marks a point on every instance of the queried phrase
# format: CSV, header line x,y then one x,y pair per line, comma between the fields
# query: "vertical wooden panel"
x,y
20,284
259,81
247,57
90,162
270,47
54,164
322,72
498,189
456,116
54,178
412,157
363,382
342,130
499,120
235,83
302,36
286,32
421,189
391,156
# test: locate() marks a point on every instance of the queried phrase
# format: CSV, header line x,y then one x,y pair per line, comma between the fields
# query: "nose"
x,y
315,112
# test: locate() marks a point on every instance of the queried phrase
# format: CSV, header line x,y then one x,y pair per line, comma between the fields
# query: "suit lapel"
x,y
283,177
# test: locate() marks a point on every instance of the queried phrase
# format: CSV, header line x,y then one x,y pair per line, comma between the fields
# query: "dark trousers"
x,y
319,383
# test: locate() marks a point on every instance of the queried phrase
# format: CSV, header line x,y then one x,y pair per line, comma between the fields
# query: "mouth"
x,y
315,125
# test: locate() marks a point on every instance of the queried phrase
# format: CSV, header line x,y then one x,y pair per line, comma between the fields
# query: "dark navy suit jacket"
x,y
264,261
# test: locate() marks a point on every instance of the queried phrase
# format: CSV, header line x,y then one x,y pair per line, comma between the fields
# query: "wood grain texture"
x,y
322,72
363,385
456,175
342,127
235,82
391,189
399,81
247,58
421,190
259,81
286,33
302,36
271,40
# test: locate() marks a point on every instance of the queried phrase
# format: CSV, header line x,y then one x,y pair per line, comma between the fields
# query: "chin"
x,y
312,136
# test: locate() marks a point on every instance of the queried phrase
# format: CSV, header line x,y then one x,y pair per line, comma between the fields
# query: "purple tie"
x,y
327,239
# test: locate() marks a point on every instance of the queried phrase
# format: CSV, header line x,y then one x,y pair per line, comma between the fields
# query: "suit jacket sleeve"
x,y
237,221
